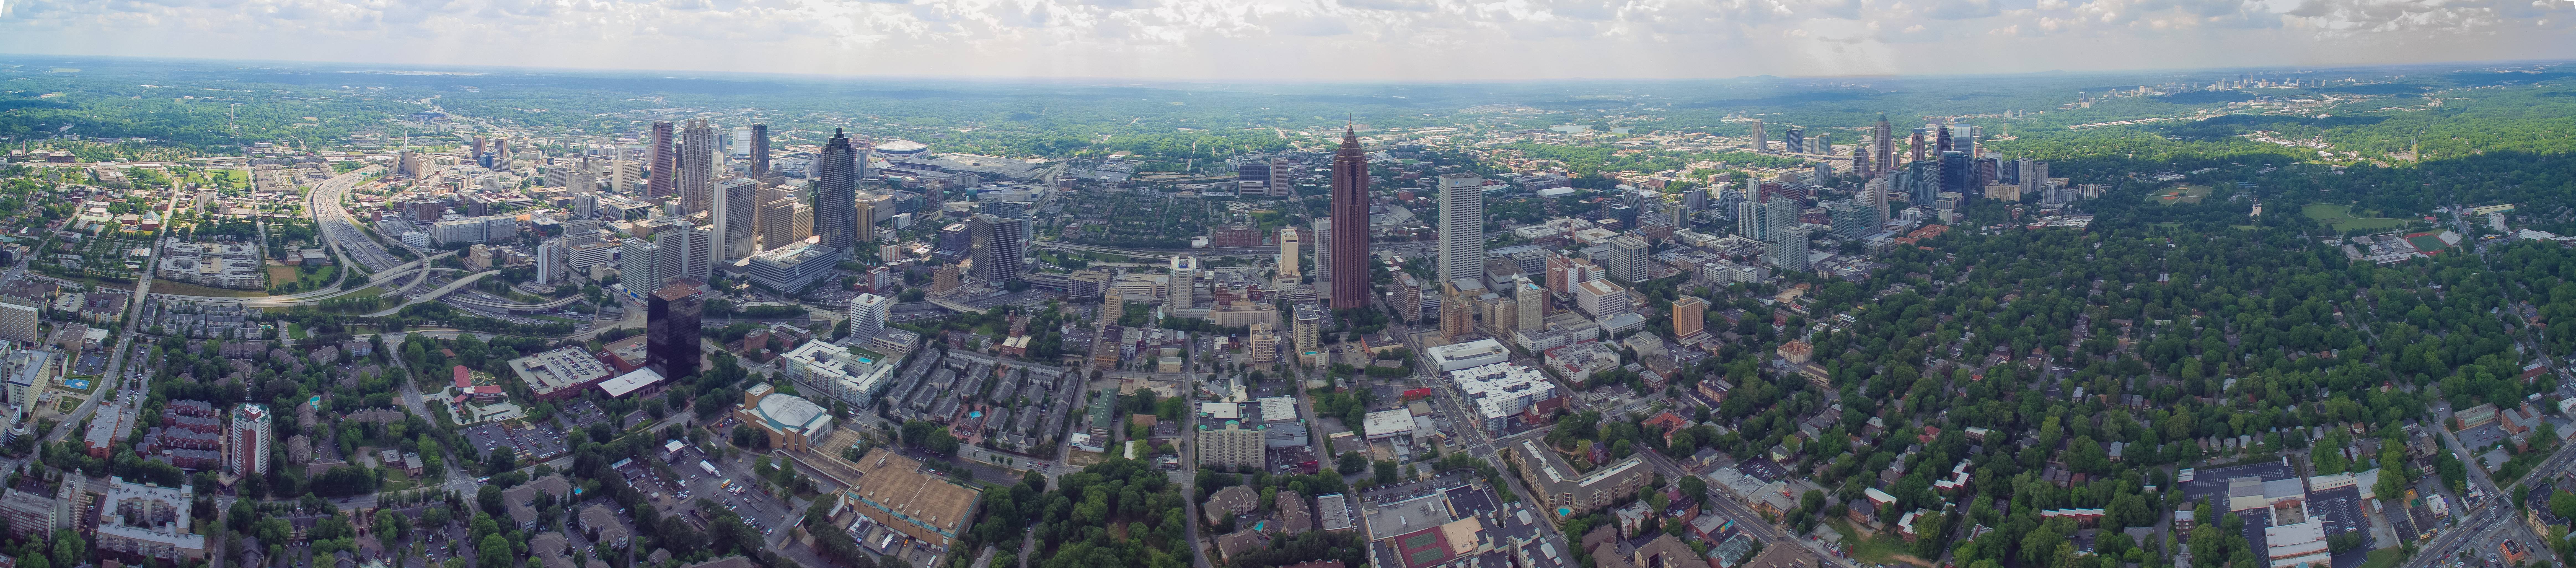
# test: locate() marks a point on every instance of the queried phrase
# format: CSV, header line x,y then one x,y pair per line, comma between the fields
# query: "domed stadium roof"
x,y
902,148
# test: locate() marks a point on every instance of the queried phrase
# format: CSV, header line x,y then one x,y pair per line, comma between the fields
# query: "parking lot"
x,y
539,443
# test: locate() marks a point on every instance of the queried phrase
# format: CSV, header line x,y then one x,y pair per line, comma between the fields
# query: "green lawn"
x,y
2383,558
558,318
306,282
295,330
2342,219
1877,548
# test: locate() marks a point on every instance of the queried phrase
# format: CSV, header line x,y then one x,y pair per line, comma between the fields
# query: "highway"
x,y
338,232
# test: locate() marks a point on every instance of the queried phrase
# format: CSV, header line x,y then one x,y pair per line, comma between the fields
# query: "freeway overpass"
x,y
469,280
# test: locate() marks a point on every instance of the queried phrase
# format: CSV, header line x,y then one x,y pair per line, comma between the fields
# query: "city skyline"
x,y
1445,40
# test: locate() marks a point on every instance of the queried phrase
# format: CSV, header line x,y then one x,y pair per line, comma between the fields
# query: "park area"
x,y
2342,218
2179,194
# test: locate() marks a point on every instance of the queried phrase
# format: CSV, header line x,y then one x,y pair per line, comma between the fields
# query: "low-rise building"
x,y
144,520
894,492
834,371
1501,391
1565,493
559,374
791,421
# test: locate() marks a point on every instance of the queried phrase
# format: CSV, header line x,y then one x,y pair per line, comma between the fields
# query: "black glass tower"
x,y
671,330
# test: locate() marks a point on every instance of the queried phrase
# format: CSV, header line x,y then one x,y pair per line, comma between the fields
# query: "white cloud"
x,y
1303,39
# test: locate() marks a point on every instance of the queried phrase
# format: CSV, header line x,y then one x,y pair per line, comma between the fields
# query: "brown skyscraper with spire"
x,y
1350,239
666,165
1885,137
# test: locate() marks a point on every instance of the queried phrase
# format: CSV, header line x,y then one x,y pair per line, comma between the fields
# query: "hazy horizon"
x,y
1309,41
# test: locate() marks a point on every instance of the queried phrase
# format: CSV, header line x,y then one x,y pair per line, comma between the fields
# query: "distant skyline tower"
x,y
697,166
1957,171
1350,223
1462,226
664,164
735,214
836,193
1885,137
1915,148
1941,140
1758,143
1861,166
1876,190
760,153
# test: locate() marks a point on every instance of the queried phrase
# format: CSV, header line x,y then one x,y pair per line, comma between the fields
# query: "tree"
x,y
493,550
69,548
1351,463
1385,472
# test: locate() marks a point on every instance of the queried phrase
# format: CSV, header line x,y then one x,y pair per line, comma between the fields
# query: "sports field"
x,y
2430,243
2342,219
2179,194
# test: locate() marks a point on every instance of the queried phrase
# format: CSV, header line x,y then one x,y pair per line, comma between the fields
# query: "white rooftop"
x,y
1480,352
1386,423
1502,389
629,382
1221,410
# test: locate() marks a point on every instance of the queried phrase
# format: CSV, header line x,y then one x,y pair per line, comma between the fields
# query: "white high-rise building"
x,y
697,166
868,314
640,264
1787,249
740,146
623,175
1876,191
1462,227
700,263
1184,285
1323,257
1288,252
736,208
586,205
19,323
550,262
250,438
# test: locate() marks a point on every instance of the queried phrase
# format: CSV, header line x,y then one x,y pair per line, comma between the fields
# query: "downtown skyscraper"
x,y
734,215
1884,138
664,165
1462,227
697,166
760,153
836,193
1350,236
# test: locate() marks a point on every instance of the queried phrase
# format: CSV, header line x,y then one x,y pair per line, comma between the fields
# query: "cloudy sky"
x,y
1295,40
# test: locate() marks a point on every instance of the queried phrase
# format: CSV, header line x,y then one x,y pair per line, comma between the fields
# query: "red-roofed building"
x,y
464,378
1668,423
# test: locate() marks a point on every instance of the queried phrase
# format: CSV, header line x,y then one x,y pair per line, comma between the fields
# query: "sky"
x,y
1308,40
